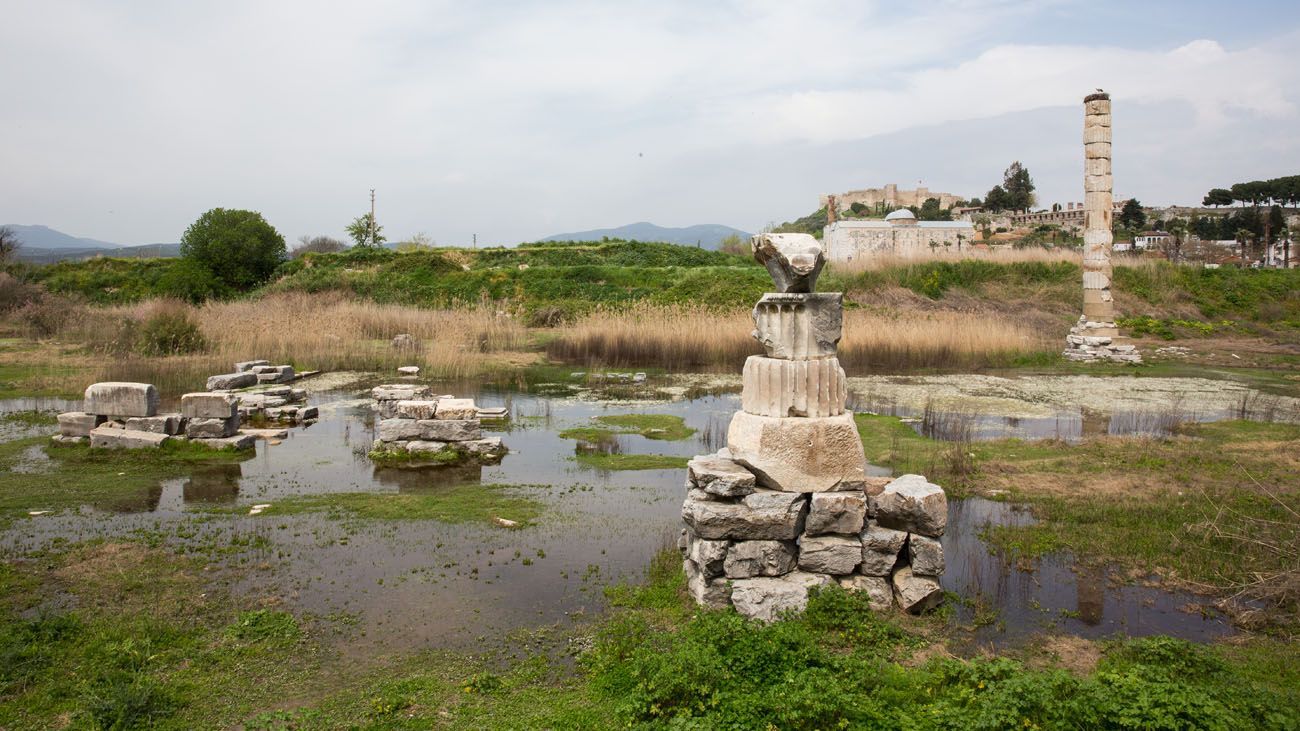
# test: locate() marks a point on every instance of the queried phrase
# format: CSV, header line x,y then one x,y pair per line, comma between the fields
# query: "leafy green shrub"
x,y
192,282
239,247
124,700
170,333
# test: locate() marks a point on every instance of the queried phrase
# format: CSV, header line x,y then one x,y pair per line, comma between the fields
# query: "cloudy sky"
x,y
125,120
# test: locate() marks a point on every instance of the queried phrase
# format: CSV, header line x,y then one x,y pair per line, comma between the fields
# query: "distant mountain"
x,y
43,244
707,235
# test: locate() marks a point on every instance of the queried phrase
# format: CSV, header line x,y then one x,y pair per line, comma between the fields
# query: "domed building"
x,y
899,235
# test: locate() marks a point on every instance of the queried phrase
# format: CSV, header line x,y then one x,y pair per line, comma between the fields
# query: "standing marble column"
x,y
1095,336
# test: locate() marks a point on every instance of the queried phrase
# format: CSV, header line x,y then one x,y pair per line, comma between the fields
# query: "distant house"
x,y
1152,240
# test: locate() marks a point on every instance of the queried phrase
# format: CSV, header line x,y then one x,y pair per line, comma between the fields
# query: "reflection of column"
x,y
1089,584
212,484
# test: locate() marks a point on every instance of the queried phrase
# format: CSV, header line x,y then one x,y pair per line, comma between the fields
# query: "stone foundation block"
x,y
169,424
111,438
915,594
747,559
710,593
425,448
799,326
228,381
836,512
880,593
416,409
488,448
66,440
211,428
798,455
767,598
925,555
118,399
249,365
780,388
212,405
456,409
78,423
234,441
766,515
880,549
709,556
397,430
720,476
837,555
448,430
911,503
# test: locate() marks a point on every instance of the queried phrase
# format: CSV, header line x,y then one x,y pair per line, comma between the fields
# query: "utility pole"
x,y
372,216
475,241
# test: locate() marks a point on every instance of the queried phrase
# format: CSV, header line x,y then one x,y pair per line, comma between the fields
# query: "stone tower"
x,y
788,506
1095,336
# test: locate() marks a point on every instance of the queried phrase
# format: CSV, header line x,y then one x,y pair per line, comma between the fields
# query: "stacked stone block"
x,y
251,373
1096,336
787,505
413,423
212,419
125,416
281,404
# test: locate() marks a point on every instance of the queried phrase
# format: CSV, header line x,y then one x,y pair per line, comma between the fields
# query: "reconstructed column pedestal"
x,y
1095,336
788,505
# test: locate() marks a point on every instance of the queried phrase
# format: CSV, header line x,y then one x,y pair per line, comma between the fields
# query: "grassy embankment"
x,y
614,304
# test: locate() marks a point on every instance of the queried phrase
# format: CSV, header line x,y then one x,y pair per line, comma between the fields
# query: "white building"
x,y
898,235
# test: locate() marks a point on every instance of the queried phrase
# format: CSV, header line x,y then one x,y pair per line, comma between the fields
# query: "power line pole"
x,y
372,216
475,241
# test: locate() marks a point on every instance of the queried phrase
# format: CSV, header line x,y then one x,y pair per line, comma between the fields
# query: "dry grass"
x,y
679,338
995,254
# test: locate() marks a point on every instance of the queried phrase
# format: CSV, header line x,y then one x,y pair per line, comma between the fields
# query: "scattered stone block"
x,y
836,512
709,593
798,455
719,476
915,594
426,448
416,409
265,433
880,549
308,412
913,504
447,430
925,555
458,409
709,556
408,370
78,423
229,381
234,441
488,448
111,438
209,405
61,439
248,365
211,428
880,593
767,515
119,399
766,598
793,260
746,559
837,555
399,392
395,430
169,424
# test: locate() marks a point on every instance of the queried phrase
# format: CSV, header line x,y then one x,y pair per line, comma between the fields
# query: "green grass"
x,y
28,380
30,418
460,504
592,434
619,462
651,426
76,475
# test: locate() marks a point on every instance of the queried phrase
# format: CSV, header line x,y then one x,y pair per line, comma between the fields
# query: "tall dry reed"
x,y
685,337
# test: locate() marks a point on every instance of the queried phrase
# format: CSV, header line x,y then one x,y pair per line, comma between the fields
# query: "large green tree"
x,y
1131,216
359,230
1019,187
239,248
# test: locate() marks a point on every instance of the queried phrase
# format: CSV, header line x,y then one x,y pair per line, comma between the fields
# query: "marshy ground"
x,y
382,597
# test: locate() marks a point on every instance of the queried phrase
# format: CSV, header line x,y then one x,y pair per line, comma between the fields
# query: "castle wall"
x,y
890,195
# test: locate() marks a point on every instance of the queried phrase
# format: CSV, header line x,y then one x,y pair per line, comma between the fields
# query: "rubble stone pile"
x,y
119,415
412,423
251,373
787,505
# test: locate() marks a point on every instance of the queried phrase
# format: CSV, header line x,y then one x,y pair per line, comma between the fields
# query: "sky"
x,y
124,121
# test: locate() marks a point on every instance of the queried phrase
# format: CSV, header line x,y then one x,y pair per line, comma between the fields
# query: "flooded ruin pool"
x,y
406,584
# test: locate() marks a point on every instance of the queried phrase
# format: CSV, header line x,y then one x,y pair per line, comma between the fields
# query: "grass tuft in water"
x,y
460,504
619,462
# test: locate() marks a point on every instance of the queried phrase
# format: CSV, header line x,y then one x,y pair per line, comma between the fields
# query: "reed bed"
x,y
683,337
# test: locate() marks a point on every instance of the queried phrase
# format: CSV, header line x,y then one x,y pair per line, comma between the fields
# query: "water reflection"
x,y
217,483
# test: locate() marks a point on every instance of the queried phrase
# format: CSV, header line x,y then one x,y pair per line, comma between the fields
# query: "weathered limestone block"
x,y
793,260
719,476
926,555
766,598
710,593
78,423
709,556
766,515
408,370
913,504
210,405
488,448
836,512
236,441
880,594
836,555
880,549
798,455
915,594
396,430
211,428
170,424
112,438
399,392
426,448
228,381
445,430
799,325
746,559
249,365
783,388
416,409
64,440
117,399
457,409
274,374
